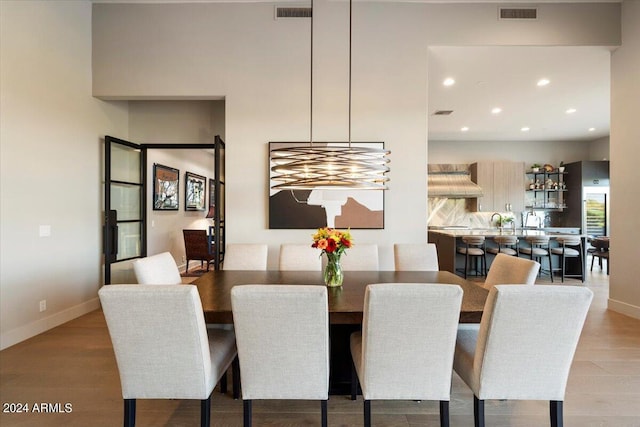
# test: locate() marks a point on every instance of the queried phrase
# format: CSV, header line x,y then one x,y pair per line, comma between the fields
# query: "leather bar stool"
x,y
538,248
570,247
474,247
507,245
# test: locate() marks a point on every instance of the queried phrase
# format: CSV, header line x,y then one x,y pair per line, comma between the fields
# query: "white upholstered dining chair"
x,y
524,345
510,270
299,257
245,256
163,348
405,349
362,257
160,269
282,333
415,257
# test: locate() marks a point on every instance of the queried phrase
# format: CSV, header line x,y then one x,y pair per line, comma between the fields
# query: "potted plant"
x,y
561,167
535,167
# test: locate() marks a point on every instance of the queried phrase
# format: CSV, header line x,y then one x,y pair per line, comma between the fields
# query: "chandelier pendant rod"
x,y
350,23
311,84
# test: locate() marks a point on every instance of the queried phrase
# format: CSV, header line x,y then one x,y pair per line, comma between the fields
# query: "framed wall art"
x,y
195,192
165,188
302,209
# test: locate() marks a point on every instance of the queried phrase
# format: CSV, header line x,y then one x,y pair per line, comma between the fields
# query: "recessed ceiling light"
x,y
592,129
543,82
496,110
571,111
448,81
525,129
464,129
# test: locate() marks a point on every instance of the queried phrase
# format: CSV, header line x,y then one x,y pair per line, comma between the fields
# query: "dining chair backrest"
x,y
160,269
415,257
245,256
408,340
527,339
361,257
510,270
299,257
282,332
160,341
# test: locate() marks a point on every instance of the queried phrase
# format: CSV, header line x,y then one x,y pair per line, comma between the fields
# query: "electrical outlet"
x,y
43,305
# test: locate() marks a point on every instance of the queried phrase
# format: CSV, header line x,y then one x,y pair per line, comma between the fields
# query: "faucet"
x,y
499,219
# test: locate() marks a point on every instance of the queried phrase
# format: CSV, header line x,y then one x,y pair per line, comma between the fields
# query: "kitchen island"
x,y
448,239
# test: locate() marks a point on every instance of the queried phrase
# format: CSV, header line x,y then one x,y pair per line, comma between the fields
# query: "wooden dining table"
x,y
345,303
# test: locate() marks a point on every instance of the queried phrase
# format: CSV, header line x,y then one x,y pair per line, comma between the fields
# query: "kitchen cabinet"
x,y
502,184
546,190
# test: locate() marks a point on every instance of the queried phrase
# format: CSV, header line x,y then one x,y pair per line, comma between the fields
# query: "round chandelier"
x,y
327,165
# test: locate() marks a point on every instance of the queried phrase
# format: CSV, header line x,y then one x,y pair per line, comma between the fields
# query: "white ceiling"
x,y
506,77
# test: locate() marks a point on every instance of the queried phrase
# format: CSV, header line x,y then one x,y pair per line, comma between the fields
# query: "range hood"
x,y
452,181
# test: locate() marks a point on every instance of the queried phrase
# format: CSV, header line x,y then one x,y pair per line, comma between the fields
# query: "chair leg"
x,y
550,264
223,383
235,375
444,413
478,412
367,413
186,269
354,381
129,412
246,411
563,263
466,262
205,411
555,409
323,411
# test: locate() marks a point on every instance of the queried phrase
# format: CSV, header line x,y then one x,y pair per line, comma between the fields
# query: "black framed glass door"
x,y
124,237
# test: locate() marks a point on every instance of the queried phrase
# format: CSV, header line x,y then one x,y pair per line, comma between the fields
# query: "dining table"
x,y
345,303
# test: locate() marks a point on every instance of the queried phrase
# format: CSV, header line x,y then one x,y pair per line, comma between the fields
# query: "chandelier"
x,y
326,166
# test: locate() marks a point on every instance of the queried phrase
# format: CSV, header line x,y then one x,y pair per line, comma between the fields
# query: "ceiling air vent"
x,y
442,112
292,12
519,13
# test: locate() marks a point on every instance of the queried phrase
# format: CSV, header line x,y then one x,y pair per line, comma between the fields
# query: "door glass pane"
x,y
129,238
126,200
125,164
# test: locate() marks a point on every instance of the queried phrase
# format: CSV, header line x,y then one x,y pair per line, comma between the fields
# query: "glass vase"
x,y
333,275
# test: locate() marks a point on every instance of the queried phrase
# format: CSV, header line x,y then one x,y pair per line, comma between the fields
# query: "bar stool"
x,y
570,247
538,248
507,245
600,251
474,248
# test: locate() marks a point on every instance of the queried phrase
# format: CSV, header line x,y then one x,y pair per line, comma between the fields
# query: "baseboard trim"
x,y
32,329
624,308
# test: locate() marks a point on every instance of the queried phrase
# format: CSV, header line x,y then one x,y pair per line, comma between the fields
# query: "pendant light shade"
x,y
331,166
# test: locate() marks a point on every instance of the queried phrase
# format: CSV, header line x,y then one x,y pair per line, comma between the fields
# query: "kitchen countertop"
x,y
519,232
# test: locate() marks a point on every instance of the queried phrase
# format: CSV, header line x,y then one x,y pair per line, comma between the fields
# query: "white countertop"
x,y
519,232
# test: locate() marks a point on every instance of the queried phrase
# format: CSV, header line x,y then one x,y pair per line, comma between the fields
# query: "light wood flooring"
x,y
74,363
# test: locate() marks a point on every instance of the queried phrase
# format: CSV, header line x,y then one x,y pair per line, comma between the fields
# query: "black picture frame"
x,y
166,188
195,192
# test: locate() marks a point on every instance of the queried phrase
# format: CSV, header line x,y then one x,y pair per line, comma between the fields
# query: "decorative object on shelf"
x,y
165,188
195,192
333,243
561,167
548,168
329,166
535,167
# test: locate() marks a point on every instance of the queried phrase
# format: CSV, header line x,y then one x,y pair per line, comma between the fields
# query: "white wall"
x,y
51,157
541,152
600,149
624,292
